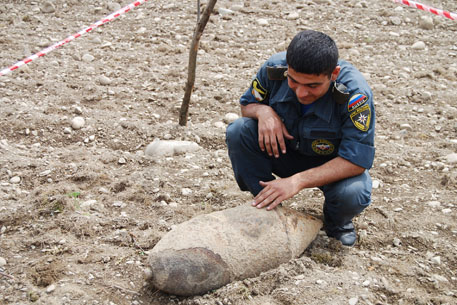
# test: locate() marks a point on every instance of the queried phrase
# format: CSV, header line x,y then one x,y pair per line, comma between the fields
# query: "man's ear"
x,y
335,73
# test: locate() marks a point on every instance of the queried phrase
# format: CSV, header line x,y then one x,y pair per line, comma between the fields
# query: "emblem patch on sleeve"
x,y
322,147
258,91
361,117
356,100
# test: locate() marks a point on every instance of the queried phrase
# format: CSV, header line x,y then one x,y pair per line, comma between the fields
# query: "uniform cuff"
x,y
358,153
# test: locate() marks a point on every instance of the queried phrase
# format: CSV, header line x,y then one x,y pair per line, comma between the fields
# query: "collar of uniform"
x,y
323,107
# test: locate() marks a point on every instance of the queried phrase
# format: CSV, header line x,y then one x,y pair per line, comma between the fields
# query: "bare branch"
x,y
193,61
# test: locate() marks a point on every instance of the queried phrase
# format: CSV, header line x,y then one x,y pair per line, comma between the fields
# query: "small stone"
x,y
395,20
406,127
122,161
376,184
366,283
186,191
353,301
15,180
78,123
396,242
2,262
48,7
88,58
113,6
170,148
67,130
436,260
426,23
104,80
225,11
262,22
293,16
446,211
434,204
51,288
419,45
147,273
452,158
219,124
230,117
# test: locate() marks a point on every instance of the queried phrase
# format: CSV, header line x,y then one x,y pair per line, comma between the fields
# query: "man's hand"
x,y
276,191
272,132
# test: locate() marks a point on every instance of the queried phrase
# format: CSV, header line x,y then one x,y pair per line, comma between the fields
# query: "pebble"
x,y
186,191
436,260
51,288
426,23
104,80
48,7
406,127
396,242
225,11
88,58
122,161
452,158
293,16
418,45
446,211
15,180
376,184
113,6
230,117
262,21
219,124
78,123
67,130
88,204
170,148
2,262
353,301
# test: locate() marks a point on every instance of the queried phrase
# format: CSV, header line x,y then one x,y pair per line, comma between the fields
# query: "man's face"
x,y
310,87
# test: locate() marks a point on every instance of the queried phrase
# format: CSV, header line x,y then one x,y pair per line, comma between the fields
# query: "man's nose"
x,y
301,92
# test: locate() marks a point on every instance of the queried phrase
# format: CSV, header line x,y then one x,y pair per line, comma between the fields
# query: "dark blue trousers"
x,y
343,199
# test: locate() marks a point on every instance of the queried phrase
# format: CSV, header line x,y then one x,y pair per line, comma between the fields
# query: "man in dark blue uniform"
x,y
309,119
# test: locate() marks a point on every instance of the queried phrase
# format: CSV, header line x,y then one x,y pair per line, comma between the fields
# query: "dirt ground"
x,y
81,208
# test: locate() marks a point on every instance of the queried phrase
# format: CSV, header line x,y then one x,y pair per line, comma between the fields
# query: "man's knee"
x,y
239,130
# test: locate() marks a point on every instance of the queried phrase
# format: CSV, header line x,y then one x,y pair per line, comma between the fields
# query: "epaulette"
x,y
339,93
277,72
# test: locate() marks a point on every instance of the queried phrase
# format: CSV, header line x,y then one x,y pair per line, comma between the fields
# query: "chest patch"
x,y
361,117
322,147
258,91
356,100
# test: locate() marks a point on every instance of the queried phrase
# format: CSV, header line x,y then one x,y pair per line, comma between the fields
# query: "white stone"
x,y
51,288
88,58
451,158
230,117
219,124
88,204
426,22
122,161
48,7
419,45
104,80
225,11
434,204
376,184
436,260
353,301
170,148
78,123
2,262
262,21
186,191
446,211
113,6
15,180
293,16
406,127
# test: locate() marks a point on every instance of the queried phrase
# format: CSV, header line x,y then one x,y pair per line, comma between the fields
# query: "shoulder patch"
x,y
258,91
356,100
361,117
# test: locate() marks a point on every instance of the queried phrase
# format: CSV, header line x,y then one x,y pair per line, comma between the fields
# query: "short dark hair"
x,y
312,52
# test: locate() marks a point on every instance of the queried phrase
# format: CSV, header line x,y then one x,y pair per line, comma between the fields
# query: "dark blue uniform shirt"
x,y
329,127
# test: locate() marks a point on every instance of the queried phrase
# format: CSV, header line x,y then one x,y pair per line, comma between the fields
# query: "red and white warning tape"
x,y
427,8
72,37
